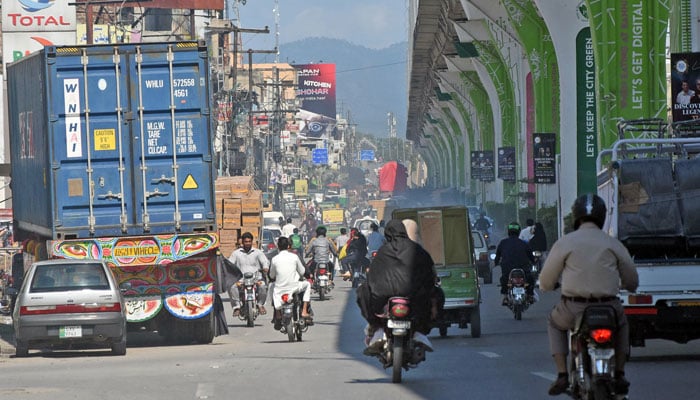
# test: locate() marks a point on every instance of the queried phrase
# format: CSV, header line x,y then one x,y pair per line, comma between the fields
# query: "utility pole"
x,y
249,166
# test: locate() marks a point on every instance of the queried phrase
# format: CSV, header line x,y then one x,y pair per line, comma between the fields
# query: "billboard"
x,y
506,163
544,146
685,86
316,91
482,165
38,16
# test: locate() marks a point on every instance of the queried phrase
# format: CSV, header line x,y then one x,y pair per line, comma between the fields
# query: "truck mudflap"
x,y
185,305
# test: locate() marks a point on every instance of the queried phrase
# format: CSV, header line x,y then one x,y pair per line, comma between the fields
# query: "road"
x,y
509,361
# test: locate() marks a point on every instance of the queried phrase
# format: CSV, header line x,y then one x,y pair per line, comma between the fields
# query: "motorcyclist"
x,y
309,225
375,240
401,268
592,265
356,253
320,249
287,271
249,259
288,228
482,224
514,253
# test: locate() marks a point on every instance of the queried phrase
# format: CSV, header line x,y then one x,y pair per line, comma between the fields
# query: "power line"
x,y
371,67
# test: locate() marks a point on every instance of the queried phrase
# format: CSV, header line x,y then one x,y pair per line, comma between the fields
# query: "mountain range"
x,y
369,83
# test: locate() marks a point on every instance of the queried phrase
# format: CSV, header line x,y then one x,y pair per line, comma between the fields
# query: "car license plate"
x,y
70,331
518,290
392,323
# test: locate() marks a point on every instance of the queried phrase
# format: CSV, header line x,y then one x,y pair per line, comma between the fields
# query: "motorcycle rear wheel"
x,y
250,313
601,391
397,360
518,311
290,327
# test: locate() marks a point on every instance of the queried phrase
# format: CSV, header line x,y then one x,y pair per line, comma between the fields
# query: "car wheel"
x,y
21,349
119,348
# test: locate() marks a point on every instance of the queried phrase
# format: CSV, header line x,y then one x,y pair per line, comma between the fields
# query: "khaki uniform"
x,y
592,265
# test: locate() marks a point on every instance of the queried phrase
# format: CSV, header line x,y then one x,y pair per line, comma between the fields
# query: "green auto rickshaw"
x,y
446,235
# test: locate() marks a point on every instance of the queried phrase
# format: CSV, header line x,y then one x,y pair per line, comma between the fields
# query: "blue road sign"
x,y
366,155
319,156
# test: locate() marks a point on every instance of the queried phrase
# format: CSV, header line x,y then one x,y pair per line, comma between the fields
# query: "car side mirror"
x,y
125,287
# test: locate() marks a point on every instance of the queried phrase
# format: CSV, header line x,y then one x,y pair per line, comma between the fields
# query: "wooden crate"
x,y
232,206
231,221
229,236
251,204
251,219
234,184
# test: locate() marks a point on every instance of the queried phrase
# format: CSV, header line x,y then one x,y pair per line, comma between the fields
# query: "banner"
x,y
301,188
38,16
482,165
685,86
506,163
544,146
316,90
586,115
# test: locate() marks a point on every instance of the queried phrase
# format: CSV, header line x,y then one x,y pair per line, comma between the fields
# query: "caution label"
x,y
190,183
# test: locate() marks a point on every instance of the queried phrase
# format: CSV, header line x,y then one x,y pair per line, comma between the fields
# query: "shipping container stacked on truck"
x,y
111,159
239,209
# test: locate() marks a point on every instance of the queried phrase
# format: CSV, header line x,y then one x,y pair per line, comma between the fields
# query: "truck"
x,y
446,236
651,186
111,159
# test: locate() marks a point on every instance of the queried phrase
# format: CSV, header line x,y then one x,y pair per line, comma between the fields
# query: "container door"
x,y
90,144
172,147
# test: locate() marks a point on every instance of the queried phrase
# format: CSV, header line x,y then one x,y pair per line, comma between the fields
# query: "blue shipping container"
x,y
111,140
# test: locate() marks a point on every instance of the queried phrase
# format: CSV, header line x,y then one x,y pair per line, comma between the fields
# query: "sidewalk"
x,y
7,347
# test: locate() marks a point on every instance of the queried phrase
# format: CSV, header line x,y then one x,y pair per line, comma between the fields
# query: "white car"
x,y
64,303
363,225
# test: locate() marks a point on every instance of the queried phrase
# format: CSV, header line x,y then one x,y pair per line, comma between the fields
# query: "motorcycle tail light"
x,y
602,335
285,298
400,310
322,271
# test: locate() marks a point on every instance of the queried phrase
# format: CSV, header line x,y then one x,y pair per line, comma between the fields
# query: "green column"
x,y
629,38
541,57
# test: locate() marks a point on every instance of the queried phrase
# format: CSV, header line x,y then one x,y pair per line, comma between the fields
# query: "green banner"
x,y
586,115
629,38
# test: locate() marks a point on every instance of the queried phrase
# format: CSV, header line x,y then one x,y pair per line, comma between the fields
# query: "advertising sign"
x,y
482,165
685,86
506,163
301,188
16,45
333,216
544,150
586,114
316,90
38,16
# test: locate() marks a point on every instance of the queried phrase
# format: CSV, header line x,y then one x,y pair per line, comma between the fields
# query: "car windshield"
x,y
62,277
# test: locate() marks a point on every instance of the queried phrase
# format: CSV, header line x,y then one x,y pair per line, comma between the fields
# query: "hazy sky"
x,y
371,23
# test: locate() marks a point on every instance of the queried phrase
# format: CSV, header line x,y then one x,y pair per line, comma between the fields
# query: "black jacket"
x,y
513,253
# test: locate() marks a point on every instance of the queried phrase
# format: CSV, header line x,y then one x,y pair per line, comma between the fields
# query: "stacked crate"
x,y
238,210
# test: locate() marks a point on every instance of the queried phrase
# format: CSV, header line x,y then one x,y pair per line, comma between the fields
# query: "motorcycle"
x,y
321,283
517,297
292,323
248,289
400,350
536,266
359,271
592,350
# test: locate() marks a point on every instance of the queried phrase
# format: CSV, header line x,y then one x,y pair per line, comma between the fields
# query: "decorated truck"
x,y
651,187
111,159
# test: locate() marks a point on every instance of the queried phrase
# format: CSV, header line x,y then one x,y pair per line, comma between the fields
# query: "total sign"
x,y
38,15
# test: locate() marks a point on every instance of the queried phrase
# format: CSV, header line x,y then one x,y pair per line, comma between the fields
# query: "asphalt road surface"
x,y
509,361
